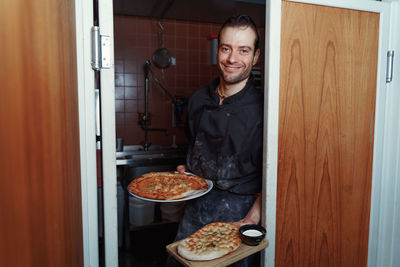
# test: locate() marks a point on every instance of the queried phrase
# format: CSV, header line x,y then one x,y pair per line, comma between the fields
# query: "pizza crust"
x,y
185,194
210,242
210,255
192,192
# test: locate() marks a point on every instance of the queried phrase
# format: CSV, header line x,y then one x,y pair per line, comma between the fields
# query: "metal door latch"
x,y
389,66
101,50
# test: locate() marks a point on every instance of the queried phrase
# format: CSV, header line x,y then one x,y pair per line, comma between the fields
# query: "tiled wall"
x,y
136,39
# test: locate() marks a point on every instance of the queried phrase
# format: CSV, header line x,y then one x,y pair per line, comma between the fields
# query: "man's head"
x,y
241,21
237,49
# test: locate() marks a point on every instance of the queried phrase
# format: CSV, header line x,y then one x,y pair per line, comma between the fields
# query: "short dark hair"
x,y
240,21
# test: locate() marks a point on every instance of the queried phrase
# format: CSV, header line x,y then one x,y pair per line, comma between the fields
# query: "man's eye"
x,y
224,49
244,51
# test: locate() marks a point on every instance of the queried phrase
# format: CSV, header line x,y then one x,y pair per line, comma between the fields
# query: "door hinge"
x,y
389,66
101,50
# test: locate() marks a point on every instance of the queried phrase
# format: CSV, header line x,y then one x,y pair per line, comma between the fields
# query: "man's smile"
x,y
231,67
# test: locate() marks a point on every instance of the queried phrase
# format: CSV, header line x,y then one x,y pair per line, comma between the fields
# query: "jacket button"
x,y
228,114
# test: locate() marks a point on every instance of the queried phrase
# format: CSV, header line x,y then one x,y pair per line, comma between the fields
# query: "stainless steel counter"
x,y
141,157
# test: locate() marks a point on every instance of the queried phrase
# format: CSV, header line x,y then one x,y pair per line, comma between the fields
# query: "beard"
x,y
234,78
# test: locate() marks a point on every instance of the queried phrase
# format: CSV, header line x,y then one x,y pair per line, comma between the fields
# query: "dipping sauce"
x,y
252,232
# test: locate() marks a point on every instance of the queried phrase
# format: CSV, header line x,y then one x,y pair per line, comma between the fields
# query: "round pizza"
x,y
167,185
210,242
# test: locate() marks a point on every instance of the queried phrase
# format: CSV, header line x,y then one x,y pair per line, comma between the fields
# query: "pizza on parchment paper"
x,y
167,185
210,242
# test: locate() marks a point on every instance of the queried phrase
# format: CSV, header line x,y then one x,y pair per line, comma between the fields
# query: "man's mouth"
x,y
231,67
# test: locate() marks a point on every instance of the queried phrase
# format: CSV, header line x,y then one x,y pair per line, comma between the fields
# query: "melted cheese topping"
x,y
166,185
215,237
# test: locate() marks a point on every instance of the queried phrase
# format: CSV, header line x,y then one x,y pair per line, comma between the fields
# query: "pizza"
x,y
167,185
210,242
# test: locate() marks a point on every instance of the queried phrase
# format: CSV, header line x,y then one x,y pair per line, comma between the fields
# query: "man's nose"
x,y
232,57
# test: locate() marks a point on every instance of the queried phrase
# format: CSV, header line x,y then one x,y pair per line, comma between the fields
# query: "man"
x,y
225,127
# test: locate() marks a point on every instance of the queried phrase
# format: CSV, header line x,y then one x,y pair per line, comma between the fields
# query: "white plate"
x,y
209,183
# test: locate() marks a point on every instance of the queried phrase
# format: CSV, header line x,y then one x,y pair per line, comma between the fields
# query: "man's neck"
x,y
230,89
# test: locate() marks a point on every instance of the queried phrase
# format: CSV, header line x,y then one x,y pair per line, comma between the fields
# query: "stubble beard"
x,y
235,78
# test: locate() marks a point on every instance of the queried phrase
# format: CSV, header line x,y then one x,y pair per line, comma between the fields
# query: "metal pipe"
x,y
146,120
146,106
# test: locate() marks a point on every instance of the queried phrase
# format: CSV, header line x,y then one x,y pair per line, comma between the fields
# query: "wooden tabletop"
x,y
242,252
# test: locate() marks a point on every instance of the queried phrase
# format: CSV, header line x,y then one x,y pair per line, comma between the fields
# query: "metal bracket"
x,y
389,66
101,50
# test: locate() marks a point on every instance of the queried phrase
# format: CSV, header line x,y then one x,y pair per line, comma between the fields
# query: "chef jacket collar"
x,y
233,98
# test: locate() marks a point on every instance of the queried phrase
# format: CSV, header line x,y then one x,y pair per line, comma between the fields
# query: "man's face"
x,y
235,53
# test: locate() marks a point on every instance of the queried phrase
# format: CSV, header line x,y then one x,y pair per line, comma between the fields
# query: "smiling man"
x,y
237,53
225,125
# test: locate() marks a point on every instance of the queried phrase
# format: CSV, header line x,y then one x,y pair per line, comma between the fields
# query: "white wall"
x,y
385,231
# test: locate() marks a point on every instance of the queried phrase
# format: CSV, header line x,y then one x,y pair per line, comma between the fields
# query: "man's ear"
x,y
256,56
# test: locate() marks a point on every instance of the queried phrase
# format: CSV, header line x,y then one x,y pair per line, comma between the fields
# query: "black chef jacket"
x,y
226,140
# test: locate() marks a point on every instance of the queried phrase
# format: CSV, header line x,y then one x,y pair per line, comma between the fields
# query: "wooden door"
x,y
326,131
40,194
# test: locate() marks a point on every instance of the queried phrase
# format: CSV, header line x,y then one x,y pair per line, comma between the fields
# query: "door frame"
x,y
271,118
108,139
384,236
87,122
87,132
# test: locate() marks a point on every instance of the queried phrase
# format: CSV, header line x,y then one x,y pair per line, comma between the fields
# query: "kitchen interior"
x,y
164,50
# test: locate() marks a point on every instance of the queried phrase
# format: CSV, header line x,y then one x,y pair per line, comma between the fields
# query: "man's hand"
x,y
244,221
254,214
181,168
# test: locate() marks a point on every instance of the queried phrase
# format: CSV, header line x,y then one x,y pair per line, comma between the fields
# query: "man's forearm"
x,y
254,214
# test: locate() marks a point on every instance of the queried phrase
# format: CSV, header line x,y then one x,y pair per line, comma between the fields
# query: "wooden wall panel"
x,y
40,196
326,120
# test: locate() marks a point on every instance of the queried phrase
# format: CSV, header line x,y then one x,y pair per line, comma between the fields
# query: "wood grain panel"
x,y
326,119
40,196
